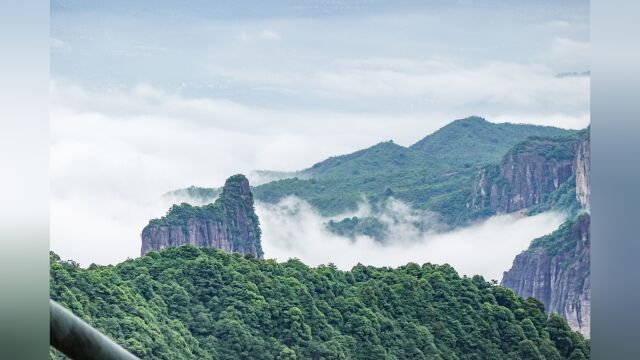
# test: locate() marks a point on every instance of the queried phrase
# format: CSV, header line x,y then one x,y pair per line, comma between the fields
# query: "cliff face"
x,y
583,171
230,223
537,175
533,172
555,270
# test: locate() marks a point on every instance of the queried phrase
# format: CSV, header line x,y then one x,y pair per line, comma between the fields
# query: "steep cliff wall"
x,y
555,270
583,171
535,173
230,223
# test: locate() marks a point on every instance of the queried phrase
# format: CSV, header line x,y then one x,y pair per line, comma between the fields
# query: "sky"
x,y
152,96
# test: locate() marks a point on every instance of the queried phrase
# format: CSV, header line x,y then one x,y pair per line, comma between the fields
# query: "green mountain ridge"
x,y
435,173
476,140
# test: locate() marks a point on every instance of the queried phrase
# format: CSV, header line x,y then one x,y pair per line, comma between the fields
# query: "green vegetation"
x,y
559,148
562,240
563,199
201,303
476,141
354,226
434,174
232,198
179,214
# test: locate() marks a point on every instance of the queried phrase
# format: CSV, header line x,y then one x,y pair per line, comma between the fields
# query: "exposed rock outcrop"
x,y
537,175
583,171
230,223
532,171
555,270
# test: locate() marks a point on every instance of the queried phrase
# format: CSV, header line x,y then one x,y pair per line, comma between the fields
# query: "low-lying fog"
x,y
293,229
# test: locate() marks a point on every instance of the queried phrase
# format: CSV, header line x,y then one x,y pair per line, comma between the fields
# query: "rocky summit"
x,y
230,223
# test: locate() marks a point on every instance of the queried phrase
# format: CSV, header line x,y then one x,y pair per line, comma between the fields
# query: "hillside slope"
x,y
475,140
434,174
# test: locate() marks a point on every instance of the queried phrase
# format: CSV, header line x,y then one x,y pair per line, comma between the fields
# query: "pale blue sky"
x,y
371,56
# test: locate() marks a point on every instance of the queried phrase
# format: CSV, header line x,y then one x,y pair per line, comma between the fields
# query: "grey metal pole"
x,y
78,340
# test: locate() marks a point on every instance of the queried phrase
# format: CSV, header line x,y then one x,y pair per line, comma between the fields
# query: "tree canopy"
x,y
202,303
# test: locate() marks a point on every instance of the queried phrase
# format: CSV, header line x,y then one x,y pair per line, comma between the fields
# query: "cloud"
x,y
59,46
108,231
114,151
569,54
292,229
559,24
269,35
125,129
265,34
490,86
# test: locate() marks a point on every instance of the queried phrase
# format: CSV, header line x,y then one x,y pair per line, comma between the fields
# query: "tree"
x,y
528,350
577,355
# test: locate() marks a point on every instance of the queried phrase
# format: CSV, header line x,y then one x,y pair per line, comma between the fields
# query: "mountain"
x,y
383,157
540,172
556,270
202,303
230,223
475,140
436,174
433,174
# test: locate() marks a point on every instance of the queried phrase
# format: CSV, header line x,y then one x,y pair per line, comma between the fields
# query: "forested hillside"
x,y
434,174
202,303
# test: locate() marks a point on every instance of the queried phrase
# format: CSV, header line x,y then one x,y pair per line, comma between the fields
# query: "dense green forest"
x,y
202,303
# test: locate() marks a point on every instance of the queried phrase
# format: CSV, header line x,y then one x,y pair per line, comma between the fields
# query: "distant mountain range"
x,y
434,174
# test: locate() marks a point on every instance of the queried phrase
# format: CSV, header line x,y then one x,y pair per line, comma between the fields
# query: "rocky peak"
x,y
238,186
230,223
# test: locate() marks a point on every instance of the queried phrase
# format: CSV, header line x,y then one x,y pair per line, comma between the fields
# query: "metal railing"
x,y
78,340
